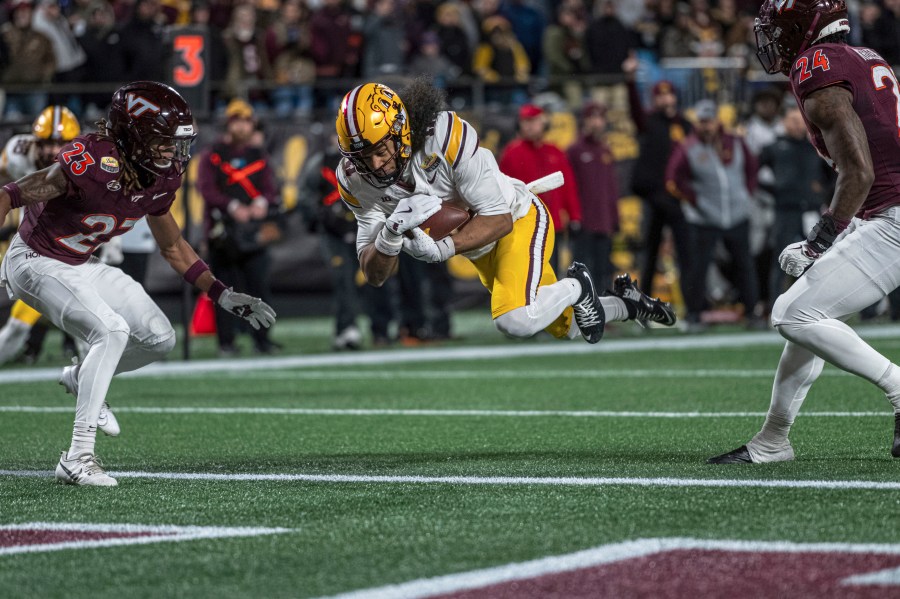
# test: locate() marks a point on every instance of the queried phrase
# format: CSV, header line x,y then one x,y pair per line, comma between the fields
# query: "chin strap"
x,y
809,33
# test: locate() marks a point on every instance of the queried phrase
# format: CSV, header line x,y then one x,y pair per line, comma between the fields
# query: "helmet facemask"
x,y
378,177
767,46
168,155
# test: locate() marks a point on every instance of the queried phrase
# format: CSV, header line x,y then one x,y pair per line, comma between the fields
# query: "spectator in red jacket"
x,y
598,189
529,157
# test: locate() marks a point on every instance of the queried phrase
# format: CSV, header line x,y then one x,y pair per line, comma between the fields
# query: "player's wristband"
x,y
447,248
216,290
15,195
822,236
388,243
193,273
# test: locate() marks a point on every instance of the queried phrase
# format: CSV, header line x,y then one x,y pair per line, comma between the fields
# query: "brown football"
x,y
445,221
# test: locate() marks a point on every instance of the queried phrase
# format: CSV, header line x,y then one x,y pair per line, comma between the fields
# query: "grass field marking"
x,y
184,410
604,554
889,577
160,534
560,481
424,355
452,375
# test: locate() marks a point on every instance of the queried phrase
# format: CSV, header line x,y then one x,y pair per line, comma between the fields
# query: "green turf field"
x,y
420,463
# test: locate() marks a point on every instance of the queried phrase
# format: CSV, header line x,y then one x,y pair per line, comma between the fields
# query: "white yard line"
x,y
426,412
560,481
160,534
605,554
529,374
424,355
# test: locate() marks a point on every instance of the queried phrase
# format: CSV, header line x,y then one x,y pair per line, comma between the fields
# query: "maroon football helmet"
x,y
786,28
153,127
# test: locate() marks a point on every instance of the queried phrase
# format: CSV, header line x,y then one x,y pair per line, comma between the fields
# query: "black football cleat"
x,y
641,307
589,314
738,456
895,449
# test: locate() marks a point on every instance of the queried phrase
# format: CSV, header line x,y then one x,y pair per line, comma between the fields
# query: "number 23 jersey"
x,y
876,99
95,207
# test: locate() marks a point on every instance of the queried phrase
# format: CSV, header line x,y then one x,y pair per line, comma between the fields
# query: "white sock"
x,y
574,331
774,433
890,384
574,286
615,308
797,370
83,438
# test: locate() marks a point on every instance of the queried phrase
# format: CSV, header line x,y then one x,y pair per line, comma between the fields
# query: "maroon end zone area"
x,y
695,573
37,536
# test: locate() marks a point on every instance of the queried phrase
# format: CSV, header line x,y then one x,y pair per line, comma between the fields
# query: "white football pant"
x,y
860,269
97,304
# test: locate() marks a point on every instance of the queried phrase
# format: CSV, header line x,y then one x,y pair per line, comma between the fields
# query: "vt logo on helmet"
x,y
153,127
374,134
138,105
787,28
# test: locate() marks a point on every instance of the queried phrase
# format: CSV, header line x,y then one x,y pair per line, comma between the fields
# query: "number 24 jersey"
x,y
876,99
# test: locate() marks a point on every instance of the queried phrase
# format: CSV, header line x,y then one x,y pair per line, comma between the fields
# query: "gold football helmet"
x,y
53,128
56,123
369,116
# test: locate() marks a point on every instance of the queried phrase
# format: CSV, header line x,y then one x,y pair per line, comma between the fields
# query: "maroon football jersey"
x,y
876,99
94,208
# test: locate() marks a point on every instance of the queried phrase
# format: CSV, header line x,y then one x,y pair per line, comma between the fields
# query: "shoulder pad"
x,y
825,65
345,175
454,138
90,157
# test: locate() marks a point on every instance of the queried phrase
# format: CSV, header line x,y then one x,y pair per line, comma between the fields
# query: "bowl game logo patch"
x,y
109,164
431,163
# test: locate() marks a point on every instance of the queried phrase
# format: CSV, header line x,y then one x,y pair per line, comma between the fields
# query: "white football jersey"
x,y
19,157
450,166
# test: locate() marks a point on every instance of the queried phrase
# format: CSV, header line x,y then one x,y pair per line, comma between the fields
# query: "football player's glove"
x,y
252,309
412,212
422,247
409,213
796,258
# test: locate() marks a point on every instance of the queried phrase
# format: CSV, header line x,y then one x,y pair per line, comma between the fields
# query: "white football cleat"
x,y
83,471
107,421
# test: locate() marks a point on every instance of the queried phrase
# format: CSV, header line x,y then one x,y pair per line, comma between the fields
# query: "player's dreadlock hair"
x,y
130,178
423,103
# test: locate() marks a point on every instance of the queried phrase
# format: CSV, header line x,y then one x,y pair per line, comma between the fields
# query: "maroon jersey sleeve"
x,y
90,162
823,66
875,92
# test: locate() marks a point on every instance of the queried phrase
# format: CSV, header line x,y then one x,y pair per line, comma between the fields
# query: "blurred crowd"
x,y
281,54
721,239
